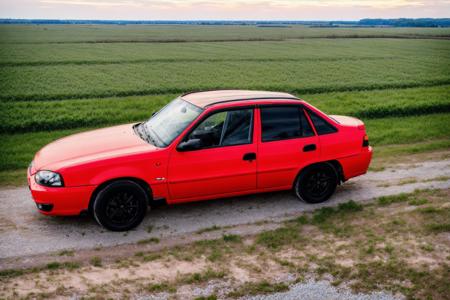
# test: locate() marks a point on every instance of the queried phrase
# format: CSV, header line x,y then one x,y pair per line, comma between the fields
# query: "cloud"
x,y
249,3
91,3
224,9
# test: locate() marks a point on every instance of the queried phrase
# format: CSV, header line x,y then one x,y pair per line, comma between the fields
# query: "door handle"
x,y
249,156
310,147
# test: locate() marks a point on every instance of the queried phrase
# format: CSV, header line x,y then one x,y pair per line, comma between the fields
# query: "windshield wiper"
x,y
149,135
143,134
152,134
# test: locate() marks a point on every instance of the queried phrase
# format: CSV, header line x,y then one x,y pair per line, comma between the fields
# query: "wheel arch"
x,y
142,183
336,165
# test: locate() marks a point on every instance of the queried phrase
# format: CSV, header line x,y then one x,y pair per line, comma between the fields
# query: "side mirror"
x,y
192,144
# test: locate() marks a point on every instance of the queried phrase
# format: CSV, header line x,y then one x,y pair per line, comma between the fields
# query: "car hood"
x,y
91,145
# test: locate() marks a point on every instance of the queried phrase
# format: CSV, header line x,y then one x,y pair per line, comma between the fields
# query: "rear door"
x,y
222,161
287,144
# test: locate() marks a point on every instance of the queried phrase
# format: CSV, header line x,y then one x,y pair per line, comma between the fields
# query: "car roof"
x,y
208,98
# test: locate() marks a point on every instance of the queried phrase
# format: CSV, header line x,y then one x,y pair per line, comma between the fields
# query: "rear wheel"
x,y
316,183
121,205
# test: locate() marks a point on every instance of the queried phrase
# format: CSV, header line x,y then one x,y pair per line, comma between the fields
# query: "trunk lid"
x,y
348,121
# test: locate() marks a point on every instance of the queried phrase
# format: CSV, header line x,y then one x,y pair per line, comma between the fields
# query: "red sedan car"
x,y
200,146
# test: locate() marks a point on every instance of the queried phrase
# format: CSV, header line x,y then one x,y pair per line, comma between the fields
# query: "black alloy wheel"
x,y
121,205
316,183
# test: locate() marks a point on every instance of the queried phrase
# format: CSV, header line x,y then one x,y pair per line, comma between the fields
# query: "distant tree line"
x,y
425,22
403,22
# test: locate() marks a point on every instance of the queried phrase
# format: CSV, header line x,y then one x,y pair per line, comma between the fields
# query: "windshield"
x,y
170,122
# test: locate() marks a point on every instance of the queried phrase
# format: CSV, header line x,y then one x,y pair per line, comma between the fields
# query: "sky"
x,y
223,9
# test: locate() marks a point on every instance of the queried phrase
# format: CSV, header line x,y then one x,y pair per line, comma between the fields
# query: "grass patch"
x,y
205,276
427,247
66,253
151,257
64,265
13,177
302,220
258,288
52,266
210,297
279,237
208,229
391,152
438,228
387,200
395,275
96,261
324,214
160,287
438,178
152,240
231,238
429,210
9,273
417,202
148,256
213,250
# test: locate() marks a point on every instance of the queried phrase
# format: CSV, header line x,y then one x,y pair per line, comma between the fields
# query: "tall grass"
x,y
66,114
56,72
90,81
18,149
301,50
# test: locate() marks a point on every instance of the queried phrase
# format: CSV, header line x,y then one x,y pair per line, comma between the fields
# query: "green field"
x,y
181,33
58,79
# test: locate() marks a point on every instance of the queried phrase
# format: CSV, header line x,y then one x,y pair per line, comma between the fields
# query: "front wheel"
x,y
121,205
316,183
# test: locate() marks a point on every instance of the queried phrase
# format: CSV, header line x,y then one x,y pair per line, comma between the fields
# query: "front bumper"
x,y
60,201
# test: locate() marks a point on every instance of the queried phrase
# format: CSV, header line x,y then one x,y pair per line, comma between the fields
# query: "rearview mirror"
x,y
192,144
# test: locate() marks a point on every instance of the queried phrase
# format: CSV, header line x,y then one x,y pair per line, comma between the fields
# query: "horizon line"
x,y
222,20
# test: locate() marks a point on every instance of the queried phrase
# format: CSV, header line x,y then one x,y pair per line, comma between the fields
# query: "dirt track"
x,y
23,231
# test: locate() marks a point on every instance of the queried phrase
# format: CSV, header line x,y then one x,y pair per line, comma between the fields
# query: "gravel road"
x,y
317,290
24,231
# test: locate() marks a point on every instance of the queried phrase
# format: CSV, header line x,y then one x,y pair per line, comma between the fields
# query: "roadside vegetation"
x,y
57,80
397,244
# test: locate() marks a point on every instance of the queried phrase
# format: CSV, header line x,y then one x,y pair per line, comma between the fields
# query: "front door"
x,y
217,158
287,144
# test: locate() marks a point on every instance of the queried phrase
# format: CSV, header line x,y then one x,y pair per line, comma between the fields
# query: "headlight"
x,y
48,178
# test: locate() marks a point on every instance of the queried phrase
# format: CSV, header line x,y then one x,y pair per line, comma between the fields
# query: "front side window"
x,y
170,122
322,126
284,122
224,128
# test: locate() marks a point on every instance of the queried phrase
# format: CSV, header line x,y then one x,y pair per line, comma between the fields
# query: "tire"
x,y
316,183
121,205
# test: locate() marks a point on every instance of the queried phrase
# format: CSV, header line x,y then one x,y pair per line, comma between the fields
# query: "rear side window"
x,y
284,122
322,126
